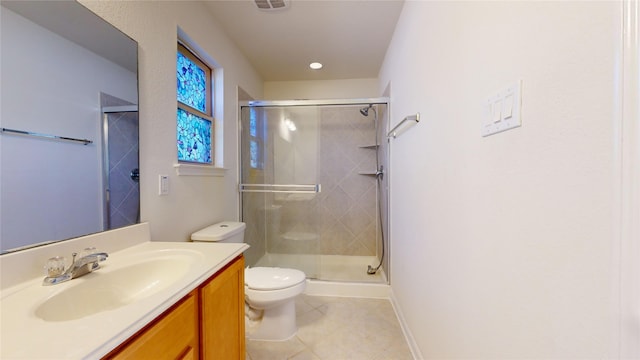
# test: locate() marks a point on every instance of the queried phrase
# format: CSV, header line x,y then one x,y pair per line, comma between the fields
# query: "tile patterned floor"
x,y
334,328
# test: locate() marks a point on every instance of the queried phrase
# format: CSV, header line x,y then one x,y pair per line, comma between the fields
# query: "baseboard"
x,y
413,346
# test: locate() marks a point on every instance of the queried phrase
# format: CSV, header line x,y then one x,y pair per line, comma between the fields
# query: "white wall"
x,y
627,190
193,202
40,175
321,89
502,247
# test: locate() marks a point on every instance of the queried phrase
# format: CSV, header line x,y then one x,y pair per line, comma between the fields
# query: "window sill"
x,y
198,170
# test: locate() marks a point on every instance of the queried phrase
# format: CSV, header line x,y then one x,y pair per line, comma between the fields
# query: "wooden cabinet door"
x,y
173,336
222,314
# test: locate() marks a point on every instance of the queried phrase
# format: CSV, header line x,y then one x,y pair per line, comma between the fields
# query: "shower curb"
x,y
347,289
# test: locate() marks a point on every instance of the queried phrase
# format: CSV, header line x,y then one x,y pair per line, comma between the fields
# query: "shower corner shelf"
x,y
374,146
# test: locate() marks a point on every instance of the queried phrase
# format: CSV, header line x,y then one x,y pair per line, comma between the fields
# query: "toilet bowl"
x,y
273,291
270,292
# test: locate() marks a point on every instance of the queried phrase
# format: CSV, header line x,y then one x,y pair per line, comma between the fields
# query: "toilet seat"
x,y
268,278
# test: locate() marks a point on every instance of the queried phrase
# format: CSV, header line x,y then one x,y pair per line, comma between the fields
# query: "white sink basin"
x,y
115,286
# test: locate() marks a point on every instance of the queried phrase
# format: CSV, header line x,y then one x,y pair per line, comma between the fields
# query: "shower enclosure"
x,y
313,187
121,190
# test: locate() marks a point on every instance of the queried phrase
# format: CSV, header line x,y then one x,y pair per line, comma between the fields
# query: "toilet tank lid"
x,y
219,231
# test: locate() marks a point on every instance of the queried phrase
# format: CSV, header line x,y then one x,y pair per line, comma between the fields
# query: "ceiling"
x,y
349,37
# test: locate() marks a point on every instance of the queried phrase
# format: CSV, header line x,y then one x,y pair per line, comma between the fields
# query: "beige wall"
x,y
502,247
321,89
193,201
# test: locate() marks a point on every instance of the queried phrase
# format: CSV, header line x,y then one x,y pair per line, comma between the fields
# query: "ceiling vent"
x,y
272,4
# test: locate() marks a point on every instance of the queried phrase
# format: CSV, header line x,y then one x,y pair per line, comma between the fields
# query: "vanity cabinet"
x,y
208,323
222,314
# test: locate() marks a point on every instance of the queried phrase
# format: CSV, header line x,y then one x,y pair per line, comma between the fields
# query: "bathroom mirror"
x,y
67,75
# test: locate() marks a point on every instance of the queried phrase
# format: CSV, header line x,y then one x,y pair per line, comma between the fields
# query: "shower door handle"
x,y
281,188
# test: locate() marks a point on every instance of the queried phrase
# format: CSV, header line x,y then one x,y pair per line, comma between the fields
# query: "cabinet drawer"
x,y
173,336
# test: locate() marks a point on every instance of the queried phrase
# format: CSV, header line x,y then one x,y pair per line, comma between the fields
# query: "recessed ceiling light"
x,y
315,66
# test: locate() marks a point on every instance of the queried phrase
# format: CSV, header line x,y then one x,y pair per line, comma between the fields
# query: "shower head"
x,y
365,110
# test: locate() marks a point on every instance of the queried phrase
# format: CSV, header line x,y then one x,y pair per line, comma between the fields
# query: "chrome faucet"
x,y
82,265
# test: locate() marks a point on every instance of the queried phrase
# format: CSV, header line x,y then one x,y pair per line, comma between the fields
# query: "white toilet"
x,y
269,291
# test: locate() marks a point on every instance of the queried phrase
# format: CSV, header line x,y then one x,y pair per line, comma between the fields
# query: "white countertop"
x,y
23,335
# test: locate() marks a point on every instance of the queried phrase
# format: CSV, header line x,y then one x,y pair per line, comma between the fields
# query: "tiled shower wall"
x,y
347,204
123,159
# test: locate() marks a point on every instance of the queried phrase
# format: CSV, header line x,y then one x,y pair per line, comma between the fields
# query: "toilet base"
x,y
278,323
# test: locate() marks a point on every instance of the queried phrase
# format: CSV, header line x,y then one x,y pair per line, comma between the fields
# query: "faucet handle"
x,y
55,266
88,251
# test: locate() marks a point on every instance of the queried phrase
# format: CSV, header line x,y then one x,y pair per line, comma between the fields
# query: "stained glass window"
x,y
256,134
194,121
253,123
192,83
254,151
194,138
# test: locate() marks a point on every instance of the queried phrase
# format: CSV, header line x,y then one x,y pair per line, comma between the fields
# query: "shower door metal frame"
x,y
337,102
281,103
323,102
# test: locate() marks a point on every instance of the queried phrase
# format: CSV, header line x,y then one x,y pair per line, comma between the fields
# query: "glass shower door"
x,y
279,186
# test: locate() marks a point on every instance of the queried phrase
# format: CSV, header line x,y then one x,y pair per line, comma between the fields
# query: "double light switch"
x,y
503,110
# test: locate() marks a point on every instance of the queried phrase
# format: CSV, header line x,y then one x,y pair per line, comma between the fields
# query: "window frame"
x,y
209,103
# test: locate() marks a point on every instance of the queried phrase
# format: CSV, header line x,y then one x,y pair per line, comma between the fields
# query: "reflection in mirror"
x,y
65,72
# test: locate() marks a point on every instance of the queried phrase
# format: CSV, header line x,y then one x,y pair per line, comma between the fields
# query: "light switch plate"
x,y
503,110
163,184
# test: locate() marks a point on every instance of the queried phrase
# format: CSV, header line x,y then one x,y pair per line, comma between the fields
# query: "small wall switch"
x,y
503,111
163,184
507,107
497,111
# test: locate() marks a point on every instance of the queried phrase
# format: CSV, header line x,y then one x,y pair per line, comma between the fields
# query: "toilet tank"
x,y
226,231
